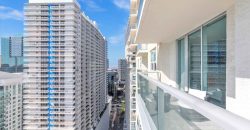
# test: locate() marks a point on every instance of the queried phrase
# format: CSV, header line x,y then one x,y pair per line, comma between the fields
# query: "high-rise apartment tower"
x,y
122,70
65,56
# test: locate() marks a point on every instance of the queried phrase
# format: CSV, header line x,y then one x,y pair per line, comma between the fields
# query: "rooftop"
x,y
10,78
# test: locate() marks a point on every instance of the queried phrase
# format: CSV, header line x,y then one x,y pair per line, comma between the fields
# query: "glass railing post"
x,y
160,107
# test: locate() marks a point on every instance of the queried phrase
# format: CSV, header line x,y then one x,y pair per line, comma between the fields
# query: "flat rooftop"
x,y
10,78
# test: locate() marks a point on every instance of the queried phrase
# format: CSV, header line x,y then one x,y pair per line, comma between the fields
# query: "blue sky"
x,y
110,15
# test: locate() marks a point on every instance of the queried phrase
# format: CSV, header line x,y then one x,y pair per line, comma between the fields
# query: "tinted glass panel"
x,y
214,61
194,41
181,64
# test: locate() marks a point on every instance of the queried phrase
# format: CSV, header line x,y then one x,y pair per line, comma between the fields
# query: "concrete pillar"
x,y
241,103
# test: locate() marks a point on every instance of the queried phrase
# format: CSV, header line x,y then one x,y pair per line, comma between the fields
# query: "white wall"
x,y
230,66
241,103
167,62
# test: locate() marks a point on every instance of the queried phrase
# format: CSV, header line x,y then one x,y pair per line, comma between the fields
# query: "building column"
x,y
242,58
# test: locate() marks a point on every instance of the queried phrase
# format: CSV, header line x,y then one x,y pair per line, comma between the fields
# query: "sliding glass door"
x,y
206,61
214,60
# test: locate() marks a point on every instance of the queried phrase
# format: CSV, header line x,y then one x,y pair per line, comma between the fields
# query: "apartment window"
x,y
134,64
181,64
153,59
134,77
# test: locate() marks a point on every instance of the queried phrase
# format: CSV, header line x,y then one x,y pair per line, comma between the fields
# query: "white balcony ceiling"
x,y
167,20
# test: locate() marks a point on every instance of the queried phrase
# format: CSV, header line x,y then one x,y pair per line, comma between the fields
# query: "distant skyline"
x,y
111,17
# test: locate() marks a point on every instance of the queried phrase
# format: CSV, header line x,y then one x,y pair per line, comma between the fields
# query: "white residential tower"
x,y
65,56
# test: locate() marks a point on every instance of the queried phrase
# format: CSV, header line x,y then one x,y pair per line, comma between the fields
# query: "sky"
x,y
111,17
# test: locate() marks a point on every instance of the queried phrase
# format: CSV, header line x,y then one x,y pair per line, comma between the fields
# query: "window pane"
x,y
214,61
153,59
194,43
153,55
181,64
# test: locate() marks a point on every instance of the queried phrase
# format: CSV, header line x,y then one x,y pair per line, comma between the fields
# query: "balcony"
x,y
130,34
142,49
133,12
163,107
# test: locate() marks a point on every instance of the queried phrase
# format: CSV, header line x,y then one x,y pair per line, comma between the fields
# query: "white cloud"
x,y
91,4
123,4
117,39
3,7
10,13
120,37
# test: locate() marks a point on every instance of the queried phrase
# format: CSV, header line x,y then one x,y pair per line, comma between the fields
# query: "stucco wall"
x,y
230,66
241,103
166,62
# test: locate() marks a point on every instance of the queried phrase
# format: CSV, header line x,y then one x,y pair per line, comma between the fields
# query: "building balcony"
x,y
134,4
34,8
130,34
142,49
131,53
131,47
35,13
36,24
35,19
35,34
163,107
32,29
133,12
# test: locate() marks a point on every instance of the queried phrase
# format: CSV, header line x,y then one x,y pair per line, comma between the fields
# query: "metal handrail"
x,y
223,118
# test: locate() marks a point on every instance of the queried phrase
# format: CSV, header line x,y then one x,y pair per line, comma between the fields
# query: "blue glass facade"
x,y
7,61
50,74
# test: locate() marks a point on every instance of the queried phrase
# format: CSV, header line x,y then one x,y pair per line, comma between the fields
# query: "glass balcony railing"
x,y
167,108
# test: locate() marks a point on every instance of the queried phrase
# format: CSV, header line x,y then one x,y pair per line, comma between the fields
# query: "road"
x,y
117,118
